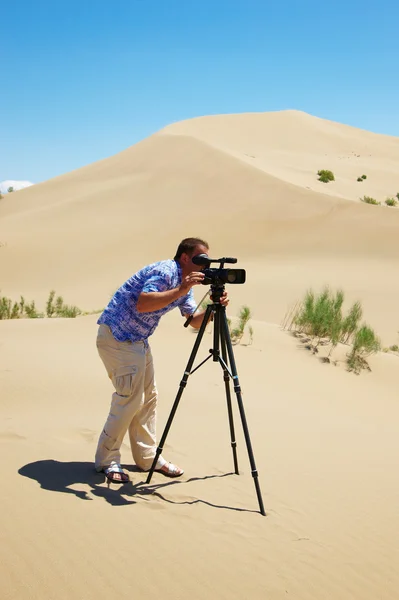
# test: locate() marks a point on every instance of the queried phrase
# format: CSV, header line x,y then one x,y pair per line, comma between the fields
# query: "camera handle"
x,y
190,318
221,342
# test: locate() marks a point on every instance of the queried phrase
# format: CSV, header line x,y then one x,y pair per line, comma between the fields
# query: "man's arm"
x,y
151,301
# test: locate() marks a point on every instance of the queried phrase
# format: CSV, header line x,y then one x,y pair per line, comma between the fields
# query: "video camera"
x,y
219,276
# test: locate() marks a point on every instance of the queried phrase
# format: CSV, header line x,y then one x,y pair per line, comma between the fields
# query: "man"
x,y
131,316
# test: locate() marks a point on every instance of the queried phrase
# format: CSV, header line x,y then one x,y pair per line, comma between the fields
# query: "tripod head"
x,y
216,292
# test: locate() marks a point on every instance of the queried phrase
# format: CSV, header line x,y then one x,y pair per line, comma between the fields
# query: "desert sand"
x,y
325,441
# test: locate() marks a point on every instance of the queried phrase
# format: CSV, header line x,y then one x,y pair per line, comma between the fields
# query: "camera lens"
x,y
235,275
231,276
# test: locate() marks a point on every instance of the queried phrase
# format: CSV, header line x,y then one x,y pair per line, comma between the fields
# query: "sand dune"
x,y
325,441
293,146
86,231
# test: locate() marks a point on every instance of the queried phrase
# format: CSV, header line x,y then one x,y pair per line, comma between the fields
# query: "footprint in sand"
x,y
88,434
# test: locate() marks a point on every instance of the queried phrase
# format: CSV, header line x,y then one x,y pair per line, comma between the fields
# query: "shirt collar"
x,y
179,270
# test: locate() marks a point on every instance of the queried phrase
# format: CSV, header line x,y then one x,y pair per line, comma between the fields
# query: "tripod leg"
x,y
237,390
226,378
181,389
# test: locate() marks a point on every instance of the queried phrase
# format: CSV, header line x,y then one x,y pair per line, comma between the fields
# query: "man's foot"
x,y
170,470
115,474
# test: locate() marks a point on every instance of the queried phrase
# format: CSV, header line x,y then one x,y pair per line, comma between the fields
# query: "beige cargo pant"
x,y
133,406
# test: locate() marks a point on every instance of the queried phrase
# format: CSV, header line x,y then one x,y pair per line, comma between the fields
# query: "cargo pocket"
x,y
122,378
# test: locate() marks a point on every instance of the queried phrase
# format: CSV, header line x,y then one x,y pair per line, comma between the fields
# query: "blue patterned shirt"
x,y
121,315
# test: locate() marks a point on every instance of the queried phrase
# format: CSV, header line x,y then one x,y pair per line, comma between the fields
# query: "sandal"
x,y
170,470
115,469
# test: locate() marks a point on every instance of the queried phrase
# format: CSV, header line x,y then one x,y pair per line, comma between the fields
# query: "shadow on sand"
x,y
57,476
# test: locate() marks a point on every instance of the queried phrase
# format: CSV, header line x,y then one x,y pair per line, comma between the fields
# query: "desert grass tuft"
x,y
237,332
321,318
325,176
365,343
370,200
23,309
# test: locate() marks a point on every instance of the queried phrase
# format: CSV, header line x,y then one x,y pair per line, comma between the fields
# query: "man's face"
x,y
190,266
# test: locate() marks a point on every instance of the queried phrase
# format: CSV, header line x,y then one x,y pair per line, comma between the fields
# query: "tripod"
x,y
221,345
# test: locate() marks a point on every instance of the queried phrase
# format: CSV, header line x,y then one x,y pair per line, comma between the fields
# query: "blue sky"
x,y
83,80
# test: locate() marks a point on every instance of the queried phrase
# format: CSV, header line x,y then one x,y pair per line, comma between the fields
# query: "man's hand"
x,y
194,278
224,299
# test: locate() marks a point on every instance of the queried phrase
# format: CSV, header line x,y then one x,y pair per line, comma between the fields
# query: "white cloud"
x,y
17,185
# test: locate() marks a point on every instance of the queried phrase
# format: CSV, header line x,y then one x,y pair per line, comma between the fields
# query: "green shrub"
x,y
321,318
65,310
369,200
237,332
5,308
17,310
251,334
359,179
325,176
365,343
394,348
31,312
237,329
391,202
304,315
351,322
397,195
22,309
50,309
336,319
364,176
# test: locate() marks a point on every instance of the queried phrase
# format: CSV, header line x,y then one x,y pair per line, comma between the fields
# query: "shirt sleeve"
x,y
188,305
157,282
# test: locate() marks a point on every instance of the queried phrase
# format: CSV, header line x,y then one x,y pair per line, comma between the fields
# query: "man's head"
x,y
188,248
